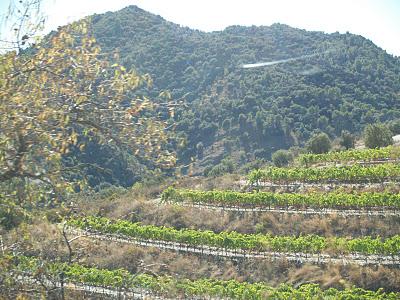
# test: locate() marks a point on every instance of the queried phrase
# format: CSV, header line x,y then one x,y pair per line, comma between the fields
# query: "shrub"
x,y
377,135
282,158
347,140
319,143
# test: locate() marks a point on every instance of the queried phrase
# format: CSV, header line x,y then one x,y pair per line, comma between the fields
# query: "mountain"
x,y
342,81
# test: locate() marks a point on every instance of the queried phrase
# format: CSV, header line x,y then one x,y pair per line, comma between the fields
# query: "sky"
x,y
377,20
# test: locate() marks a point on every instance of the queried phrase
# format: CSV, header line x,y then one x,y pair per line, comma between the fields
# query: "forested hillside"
x,y
348,84
250,163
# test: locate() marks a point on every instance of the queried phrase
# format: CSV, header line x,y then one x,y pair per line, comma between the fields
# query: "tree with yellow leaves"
x,y
55,96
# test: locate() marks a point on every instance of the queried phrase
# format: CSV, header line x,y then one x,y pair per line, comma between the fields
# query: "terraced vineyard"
x,y
306,248
364,251
165,287
344,174
346,213
381,155
333,200
131,148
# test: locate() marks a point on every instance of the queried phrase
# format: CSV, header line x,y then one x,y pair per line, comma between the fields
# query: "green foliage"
x,y
345,88
234,240
319,143
394,126
377,135
347,140
11,215
106,190
200,150
226,124
226,165
281,158
57,99
353,84
166,286
336,200
389,152
347,174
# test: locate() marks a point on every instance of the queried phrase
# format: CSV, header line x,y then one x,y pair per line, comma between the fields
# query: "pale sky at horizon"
x,y
377,20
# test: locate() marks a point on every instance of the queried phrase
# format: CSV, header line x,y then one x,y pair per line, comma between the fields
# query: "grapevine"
x,y
338,200
354,155
170,286
249,242
345,174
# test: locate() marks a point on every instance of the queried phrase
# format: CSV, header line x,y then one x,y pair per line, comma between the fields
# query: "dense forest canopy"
x,y
345,82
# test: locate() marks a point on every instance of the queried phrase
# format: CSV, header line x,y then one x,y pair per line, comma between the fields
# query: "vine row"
x,y
171,287
345,174
336,200
364,155
295,257
304,211
312,244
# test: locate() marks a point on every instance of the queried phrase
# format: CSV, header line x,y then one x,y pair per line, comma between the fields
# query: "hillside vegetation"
x,y
348,83
97,194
